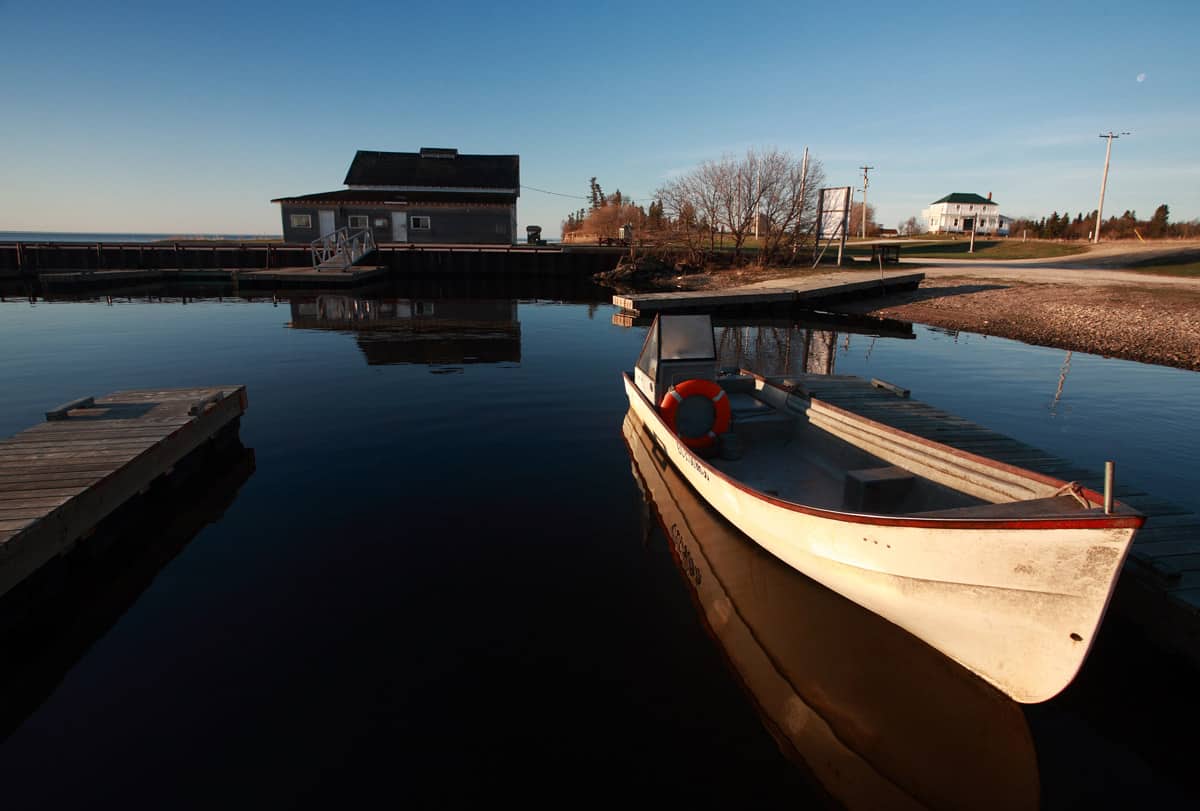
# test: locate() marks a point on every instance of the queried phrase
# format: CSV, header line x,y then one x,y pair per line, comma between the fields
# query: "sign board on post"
x,y
833,215
834,207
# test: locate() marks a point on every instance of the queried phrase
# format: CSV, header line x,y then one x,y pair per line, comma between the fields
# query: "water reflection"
x,y
804,342
423,331
877,717
50,621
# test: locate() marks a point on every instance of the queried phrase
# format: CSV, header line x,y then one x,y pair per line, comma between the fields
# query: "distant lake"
x,y
54,236
441,576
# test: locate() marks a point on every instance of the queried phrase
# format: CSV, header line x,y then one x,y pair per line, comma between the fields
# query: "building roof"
x,y
371,197
965,197
437,168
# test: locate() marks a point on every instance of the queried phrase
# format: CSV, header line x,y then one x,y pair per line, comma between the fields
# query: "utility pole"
x,y
866,180
1104,181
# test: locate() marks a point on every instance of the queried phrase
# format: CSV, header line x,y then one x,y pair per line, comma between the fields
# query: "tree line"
x,y
1057,226
767,193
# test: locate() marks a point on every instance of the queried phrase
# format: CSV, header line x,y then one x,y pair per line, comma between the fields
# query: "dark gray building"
x,y
435,195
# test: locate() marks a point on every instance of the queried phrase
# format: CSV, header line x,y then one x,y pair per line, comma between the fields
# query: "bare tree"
x,y
910,226
856,218
730,193
788,201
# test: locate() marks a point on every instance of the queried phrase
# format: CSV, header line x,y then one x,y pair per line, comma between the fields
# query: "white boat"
x,y
876,716
1005,570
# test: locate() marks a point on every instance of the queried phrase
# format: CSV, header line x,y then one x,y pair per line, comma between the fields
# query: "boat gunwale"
x,y
1129,518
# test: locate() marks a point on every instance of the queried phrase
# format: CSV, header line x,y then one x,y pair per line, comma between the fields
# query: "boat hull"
x,y
1019,607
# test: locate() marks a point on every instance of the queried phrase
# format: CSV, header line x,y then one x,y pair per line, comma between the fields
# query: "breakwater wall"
x,y
31,259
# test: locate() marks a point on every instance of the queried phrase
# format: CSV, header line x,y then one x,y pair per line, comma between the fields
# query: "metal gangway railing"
x,y
341,249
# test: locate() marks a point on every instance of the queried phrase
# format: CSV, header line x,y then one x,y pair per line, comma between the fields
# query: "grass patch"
x,y
1191,269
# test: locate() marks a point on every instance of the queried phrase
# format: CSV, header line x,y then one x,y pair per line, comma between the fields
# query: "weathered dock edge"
x,y
61,478
847,285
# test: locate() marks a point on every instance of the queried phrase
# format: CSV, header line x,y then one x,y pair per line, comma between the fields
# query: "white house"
x,y
961,212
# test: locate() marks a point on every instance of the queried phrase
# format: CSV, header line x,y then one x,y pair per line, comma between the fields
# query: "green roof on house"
x,y
964,197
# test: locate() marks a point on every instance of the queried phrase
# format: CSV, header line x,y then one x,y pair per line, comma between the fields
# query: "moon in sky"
x,y
1141,77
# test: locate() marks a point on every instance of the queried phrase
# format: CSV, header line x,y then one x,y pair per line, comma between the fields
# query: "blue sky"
x,y
188,118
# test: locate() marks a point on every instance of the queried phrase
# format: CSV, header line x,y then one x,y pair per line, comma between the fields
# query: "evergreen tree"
x,y
598,200
1158,223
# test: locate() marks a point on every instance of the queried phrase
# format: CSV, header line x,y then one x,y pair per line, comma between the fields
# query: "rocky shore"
x,y
1149,324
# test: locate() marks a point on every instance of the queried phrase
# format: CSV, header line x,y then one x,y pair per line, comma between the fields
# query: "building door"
x,y
325,220
399,226
968,224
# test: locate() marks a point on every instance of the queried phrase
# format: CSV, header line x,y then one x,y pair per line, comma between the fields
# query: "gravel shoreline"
x,y
1147,324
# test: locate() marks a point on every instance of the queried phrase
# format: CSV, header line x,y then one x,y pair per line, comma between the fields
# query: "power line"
x,y
556,193
628,197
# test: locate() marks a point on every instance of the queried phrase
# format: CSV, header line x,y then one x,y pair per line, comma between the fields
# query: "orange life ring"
x,y
722,413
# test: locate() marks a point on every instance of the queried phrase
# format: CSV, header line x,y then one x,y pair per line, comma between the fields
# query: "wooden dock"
x,y
825,288
1159,589
61,478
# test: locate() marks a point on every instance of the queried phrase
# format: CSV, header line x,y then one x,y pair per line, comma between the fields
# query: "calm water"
x,y
436,575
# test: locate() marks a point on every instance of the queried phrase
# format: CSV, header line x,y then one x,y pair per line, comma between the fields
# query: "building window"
x,y
357,221
302,221
956,222
418,223
381,222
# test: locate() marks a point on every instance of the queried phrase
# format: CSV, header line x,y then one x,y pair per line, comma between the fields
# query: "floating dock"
x,y
61,478
825,288
1159,589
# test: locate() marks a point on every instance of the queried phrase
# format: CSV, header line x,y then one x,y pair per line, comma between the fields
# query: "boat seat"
x,y
877,490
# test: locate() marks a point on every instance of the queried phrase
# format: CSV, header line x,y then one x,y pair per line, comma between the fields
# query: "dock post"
x,y
1108,487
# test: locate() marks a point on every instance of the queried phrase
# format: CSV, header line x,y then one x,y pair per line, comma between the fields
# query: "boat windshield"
x,y
686,337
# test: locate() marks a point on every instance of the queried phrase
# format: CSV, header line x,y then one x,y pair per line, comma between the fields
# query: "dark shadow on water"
x,y
1123,732
51,620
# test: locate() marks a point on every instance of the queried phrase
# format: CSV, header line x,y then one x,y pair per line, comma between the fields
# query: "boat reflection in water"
x,y
423,331
877,717
804,342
